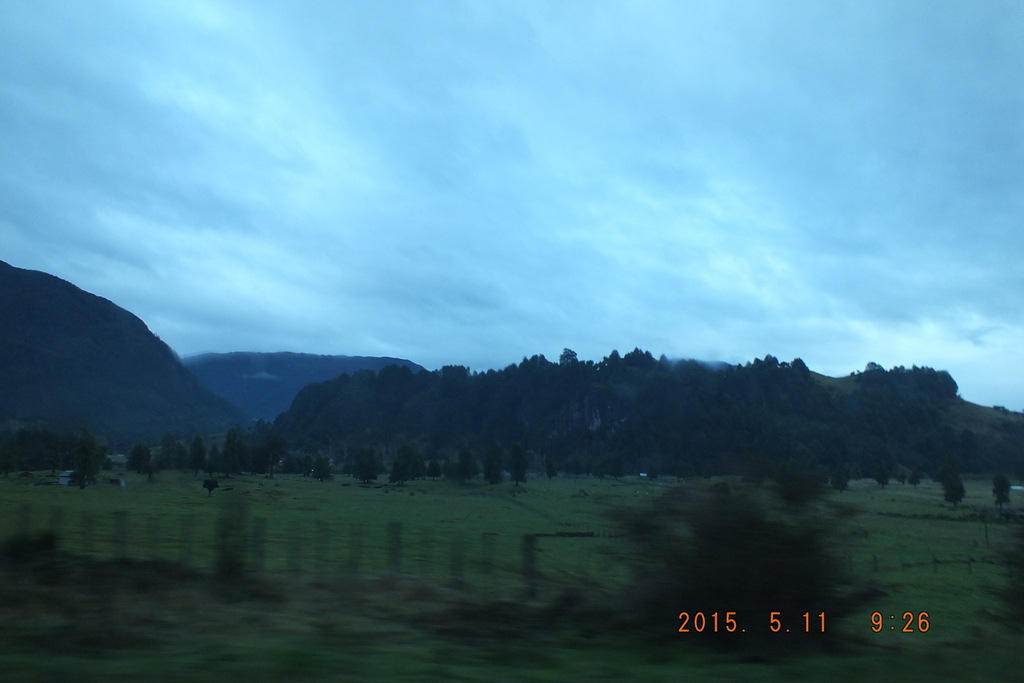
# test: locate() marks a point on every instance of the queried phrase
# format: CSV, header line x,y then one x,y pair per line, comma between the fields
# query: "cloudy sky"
x,y
473,182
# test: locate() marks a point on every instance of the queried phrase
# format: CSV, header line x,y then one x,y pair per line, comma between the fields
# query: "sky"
x,y
474,182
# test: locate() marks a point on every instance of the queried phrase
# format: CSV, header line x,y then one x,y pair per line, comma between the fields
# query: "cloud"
x,y
475,182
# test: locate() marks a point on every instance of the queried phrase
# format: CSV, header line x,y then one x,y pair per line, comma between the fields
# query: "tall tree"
x,y
88,457
321,468
138,458
1001,490
434,470
231,458
492,465
367,465
408,463
197,455
840,478
550,470
953,489
517,463
468,466
882,474
213,460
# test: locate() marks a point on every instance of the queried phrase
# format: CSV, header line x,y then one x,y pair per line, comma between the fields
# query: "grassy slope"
x,y
369,629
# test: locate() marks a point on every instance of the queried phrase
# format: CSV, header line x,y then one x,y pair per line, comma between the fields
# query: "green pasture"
x,y
923,554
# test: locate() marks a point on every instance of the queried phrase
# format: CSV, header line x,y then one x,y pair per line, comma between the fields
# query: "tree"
x,y
882,474
88,456
840,479
210,485
408,463
321,468
434,470
212,460
367,465
517,463
551,471
272,449
568,357
138,458
914,479
1001,490
492,466
197,455
8,458
953,489
468,466
232,457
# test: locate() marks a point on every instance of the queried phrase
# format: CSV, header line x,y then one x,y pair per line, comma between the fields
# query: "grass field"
x,y
346,595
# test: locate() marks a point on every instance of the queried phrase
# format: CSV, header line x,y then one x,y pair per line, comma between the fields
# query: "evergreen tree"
x,y
953,489
138,458
1001,490
88,456
840,479
882,474
231,458
321,468
434,470
517,463
408,463
197,455
468,466
551,471
492,466
368,465
213,460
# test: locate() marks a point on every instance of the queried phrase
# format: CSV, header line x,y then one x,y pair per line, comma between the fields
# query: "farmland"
x,y
346,582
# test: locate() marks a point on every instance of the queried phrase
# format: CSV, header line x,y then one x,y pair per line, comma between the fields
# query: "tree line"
x,y
634,413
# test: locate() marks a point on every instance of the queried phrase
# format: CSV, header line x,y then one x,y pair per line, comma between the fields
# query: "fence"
x,y
234,542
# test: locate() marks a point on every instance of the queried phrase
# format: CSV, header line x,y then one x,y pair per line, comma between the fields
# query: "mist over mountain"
x,y
73,360
638,413
264,384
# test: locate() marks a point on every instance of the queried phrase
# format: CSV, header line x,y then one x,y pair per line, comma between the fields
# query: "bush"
x,y
732,553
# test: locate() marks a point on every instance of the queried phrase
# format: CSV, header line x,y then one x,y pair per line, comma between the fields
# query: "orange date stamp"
x,y
729,622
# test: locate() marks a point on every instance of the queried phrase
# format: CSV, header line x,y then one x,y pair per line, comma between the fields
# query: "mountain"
x,y
74,360
638,413
264,384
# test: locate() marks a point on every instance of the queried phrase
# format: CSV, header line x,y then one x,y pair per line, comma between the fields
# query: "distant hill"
x,y
71,360
635,413
264,384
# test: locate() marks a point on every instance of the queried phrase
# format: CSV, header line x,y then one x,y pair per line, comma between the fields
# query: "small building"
x,y
65,477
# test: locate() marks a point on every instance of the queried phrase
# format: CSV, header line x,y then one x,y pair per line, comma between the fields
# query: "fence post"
x,y
259,540
294,546
153,537
320,547
458,562
530,564
24,519
121,534
355,547
87,526
57,522
427,552
395,547
185,541
487,554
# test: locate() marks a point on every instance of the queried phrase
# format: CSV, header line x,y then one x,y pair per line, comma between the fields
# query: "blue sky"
x,y
474,182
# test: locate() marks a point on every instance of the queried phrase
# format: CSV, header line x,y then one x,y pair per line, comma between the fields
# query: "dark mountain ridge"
x,y
637,413
264,384
72,360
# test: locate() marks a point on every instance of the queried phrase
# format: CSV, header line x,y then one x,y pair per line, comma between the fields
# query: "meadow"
x,y
426,582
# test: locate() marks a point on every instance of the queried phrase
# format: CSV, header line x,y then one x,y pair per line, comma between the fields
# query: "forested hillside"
x,y
637,413
72,360
264,384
